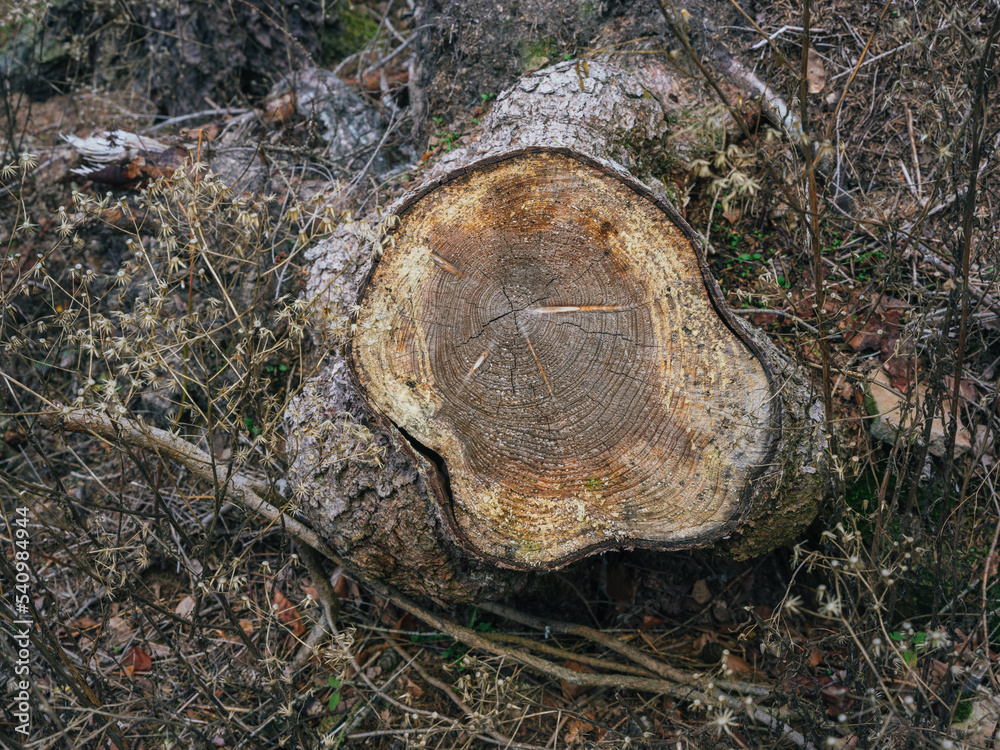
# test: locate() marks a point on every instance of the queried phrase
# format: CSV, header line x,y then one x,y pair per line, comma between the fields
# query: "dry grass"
x,y
169,617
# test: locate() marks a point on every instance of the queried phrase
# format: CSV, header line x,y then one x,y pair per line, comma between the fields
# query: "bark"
x,y
365,485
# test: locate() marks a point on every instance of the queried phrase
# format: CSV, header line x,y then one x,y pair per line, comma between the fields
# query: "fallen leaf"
x,y
903,372
121,631
138,660
700,592
571,690
185,606
416,692
815,72
279,109
736,664
966,390
575,729
876,330
288,614
892,417
341,584
732,214
837,698
650,621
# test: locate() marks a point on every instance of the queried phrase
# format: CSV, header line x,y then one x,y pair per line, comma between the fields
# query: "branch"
x,y
237,487
680,689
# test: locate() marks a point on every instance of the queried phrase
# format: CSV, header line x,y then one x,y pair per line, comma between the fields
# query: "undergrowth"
x,y
167,615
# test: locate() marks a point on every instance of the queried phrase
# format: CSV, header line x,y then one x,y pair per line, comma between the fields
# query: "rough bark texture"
x,y
372,495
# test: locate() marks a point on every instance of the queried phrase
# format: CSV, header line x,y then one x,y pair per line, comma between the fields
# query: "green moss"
x,y
963,709
536,53
353,29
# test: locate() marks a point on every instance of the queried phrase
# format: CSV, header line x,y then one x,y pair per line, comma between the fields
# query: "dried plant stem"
x,y
237,487
980,112
679,689
248,493
561,653
446,689
613,644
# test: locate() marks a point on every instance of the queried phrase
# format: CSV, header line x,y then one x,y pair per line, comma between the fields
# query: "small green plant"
x,y
456,652
910,644
448,140
334,700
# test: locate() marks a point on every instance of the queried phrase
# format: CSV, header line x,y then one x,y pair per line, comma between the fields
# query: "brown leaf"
x,y
966,390
815,72
650,621
341,584
837,698
280,109
138,660
121,629
878,330
892,413
700,592
732,213
288,614
575,729
736,664
571,690
416,692
903,372
185,606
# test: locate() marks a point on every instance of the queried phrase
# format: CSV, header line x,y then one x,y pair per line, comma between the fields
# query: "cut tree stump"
x,y
547,368
542,326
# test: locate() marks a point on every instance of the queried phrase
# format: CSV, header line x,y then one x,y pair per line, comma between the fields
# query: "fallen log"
x,y
542,366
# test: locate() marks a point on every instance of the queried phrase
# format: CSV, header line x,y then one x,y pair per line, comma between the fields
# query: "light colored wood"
x,y
542,323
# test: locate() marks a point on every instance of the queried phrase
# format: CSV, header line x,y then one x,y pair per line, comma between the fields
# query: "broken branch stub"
x,y
547,329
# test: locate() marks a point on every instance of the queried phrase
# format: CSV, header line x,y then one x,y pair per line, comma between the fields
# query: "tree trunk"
x,y
541,365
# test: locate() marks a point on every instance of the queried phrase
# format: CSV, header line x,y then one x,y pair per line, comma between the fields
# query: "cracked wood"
x,y
544,326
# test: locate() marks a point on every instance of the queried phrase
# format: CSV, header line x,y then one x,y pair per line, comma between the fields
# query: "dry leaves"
x,y
185,606
571,690
136,660
898,413
700,592
815,72
288,614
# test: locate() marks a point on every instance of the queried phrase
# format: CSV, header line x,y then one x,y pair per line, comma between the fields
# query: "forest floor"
x,y
166,617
